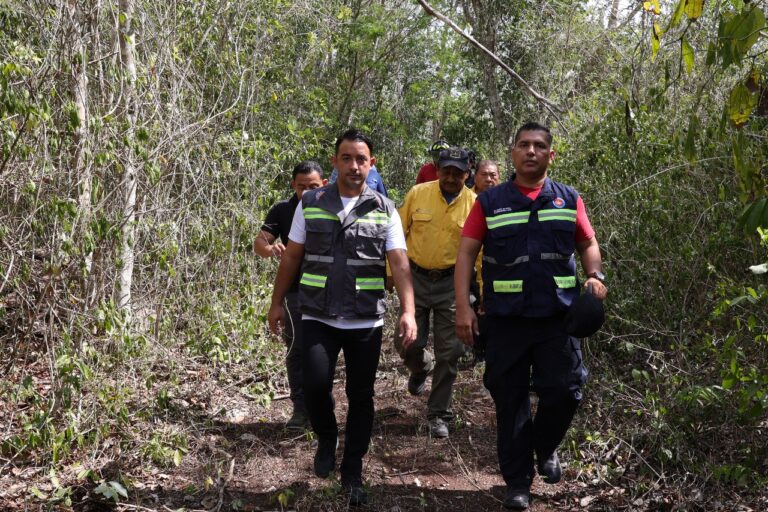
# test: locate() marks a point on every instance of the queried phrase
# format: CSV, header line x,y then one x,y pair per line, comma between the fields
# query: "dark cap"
x,y
454,157
585,316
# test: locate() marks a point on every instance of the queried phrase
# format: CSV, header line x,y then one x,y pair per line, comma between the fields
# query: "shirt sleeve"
x,y
422,176
395,235
298,233
271,222
584,229
475,226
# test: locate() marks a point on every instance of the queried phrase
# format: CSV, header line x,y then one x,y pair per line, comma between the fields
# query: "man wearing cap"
x,y
340,238
433,214
428,171
271,242
529,229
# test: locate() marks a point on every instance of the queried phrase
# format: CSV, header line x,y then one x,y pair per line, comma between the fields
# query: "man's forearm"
x,y
465,261
286,272
401,274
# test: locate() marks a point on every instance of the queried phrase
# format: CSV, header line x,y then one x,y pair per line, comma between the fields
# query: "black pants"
x,y
293,340
362,347
521,350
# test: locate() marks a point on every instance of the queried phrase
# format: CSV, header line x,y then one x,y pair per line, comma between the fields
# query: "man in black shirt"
x,y
306,176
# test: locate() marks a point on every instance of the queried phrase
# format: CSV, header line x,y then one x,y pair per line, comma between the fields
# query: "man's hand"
x,y
466,325
277,249
276,319
599,290
407,329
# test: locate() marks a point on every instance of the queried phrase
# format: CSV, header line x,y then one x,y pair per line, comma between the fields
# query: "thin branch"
x,y
548,104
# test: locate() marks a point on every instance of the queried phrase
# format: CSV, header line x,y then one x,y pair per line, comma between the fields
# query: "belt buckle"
x,y
435,274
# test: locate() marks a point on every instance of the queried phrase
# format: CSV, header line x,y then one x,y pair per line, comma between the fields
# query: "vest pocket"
x,y
318,241
370,248
312,290
563,235
369,295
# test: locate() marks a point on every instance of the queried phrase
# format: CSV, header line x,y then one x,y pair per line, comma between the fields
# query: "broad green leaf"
x,y
688,55
754,215
652,6
655,40
711,54
678,14
117,486
740,105
693,9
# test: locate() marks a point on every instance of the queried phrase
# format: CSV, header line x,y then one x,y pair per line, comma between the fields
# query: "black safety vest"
x,y
528,253
344,265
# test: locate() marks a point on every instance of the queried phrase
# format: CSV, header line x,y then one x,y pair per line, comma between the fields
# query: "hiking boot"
x,y
438,428
325,457
299,419
517,499
357,494
550,469
417,382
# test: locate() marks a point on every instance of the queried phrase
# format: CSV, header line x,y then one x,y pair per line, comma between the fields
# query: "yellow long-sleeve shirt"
x,y
432,226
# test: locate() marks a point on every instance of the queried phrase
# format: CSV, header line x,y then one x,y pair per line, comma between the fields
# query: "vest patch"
x,y
558,202
502,210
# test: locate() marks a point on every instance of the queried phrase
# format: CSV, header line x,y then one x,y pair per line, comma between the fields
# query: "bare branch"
x,y
551,106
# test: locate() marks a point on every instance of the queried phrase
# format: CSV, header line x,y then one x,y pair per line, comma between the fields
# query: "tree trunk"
x,y
613,14
126,37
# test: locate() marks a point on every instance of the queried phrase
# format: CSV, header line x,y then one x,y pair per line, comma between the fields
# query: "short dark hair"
x,y
307,167
355,135
533,126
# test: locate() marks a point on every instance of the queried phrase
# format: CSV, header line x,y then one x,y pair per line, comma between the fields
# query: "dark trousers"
x,y
362,347
521,351
293,342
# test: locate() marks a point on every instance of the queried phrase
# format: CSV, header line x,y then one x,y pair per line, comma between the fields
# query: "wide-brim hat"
x,y
585,316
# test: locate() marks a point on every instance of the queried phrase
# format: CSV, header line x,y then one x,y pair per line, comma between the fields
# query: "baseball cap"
x,y
585,316
456,157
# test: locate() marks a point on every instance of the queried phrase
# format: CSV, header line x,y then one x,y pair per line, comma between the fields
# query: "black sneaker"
x,y
299,420
517,499
550,469
357,494
325,457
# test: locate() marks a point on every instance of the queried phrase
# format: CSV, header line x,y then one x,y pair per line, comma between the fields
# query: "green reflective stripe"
x,y
506,219
369,283
507,286
565,281
319,213
313,280
557,214
374,218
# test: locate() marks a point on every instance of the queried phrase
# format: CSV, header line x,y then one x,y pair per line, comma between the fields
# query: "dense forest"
x,y
142,143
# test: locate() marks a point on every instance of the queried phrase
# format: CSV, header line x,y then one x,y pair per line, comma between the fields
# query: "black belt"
x,y
433,274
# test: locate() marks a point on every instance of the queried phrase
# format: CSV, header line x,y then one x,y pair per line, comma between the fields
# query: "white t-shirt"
x,y
395,240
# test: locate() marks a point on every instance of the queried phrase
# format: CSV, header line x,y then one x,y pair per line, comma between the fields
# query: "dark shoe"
x,y
517,499
438,428
357,493
417,381
550,470
325,457
299,419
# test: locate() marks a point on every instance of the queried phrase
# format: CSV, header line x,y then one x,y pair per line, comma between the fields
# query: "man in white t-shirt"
x,y
341,237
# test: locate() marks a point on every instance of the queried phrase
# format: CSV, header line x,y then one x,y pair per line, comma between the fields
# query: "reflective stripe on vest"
x,y
319,213
506,219
369,283
374,218
518,260
313,280
565,281
557,214
508,286
317,257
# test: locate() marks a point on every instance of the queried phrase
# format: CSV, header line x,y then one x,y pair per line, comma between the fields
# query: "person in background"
x,y
428,171
529,229
433,214
271,242
341,237
486,176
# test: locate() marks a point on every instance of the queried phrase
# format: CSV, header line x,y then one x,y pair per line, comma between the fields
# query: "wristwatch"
x,y
597,275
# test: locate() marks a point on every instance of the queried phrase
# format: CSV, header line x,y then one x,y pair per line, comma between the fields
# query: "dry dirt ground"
x,y
239,456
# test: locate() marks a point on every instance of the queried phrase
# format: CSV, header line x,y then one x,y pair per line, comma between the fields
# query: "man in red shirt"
x,y
529,229
428,171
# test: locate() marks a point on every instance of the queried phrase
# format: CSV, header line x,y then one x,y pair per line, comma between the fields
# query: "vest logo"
x,y
319,194
502,210
558,202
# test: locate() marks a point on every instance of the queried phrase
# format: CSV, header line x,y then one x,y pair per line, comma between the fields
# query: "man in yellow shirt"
x,y
433,216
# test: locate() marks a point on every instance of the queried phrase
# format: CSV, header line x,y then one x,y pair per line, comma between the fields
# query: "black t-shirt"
x,y
278,224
